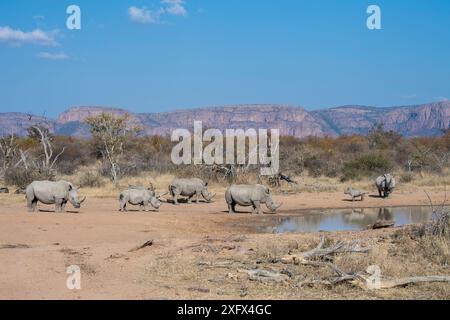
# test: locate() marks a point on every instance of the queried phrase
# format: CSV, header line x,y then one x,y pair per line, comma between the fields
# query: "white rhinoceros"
x,y
250,195
52,192
385,185
138,195
190,188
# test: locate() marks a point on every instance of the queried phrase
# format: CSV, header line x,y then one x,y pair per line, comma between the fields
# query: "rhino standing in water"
x,y
137,195
385,185
250,195
52,192
190,188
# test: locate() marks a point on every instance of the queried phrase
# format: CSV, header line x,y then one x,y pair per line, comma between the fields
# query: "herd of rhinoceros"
x,y
249,195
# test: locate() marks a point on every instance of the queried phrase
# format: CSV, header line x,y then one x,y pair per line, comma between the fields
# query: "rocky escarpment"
x,y
419,120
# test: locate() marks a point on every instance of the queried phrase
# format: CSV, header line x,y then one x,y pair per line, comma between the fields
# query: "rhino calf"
x,y
355,193
137,195
190,188
249,195
52,192
385,185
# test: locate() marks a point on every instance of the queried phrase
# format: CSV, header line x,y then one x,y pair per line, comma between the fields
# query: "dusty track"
x,y
98,239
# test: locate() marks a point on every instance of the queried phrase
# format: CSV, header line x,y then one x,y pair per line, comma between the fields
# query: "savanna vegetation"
x,y
117,150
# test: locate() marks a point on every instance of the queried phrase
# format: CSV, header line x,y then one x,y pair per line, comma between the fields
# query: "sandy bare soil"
x,y
36,249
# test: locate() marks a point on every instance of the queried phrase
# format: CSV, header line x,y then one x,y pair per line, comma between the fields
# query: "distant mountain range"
x,y
419,120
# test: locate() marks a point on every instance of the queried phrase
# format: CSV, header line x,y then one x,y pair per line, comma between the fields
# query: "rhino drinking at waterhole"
x,y
250,195
52,192
190,188
137,195
385,185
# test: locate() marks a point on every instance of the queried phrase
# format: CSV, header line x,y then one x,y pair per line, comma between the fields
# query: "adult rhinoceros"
x,y
385,185
138,195
190,188
249,195
52,192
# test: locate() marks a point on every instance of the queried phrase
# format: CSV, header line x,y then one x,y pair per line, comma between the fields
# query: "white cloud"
x,y
142,15
19,37
441,99
175,7
170,7
52,56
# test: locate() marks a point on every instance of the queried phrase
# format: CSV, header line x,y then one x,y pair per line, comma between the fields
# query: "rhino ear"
x,y
206,184
70,187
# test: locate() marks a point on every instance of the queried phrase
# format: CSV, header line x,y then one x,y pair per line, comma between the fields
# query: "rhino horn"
x,y
160,195
82,200
210,196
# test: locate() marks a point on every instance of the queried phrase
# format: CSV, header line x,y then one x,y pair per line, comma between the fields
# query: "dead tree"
x,y
42,134
111,132
8,149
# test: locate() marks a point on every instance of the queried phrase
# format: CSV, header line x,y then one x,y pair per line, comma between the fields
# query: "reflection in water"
x,y
347,219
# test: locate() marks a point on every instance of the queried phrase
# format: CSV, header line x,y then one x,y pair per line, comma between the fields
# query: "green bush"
x,y
366,165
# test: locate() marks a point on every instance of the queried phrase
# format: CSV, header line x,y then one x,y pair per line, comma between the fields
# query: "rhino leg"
x,y
59,205
197,194
145,205
63,206
32,205
175,199
190,199
123,203
232,207
256,207
31,200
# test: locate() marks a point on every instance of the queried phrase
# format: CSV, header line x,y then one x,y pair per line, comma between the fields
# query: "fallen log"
x,y
401,282
146,244
380,224
321,252
265,275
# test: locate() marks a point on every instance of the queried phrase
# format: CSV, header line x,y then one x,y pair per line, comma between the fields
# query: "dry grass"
x,y
187,268
104,187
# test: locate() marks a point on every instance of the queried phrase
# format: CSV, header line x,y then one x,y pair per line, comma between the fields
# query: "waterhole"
x,y
344,219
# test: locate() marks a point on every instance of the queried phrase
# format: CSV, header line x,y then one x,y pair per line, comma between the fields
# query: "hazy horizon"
x,y
218,106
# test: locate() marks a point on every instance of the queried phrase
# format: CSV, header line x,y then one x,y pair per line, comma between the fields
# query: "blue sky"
x,y
153,55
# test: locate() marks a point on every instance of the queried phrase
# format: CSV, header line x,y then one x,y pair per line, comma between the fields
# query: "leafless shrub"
x,y
406,177
91,179
21,177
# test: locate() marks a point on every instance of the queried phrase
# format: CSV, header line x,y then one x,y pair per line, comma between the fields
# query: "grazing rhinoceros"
x,y
385,185
190,188
250,195
355,193
139,195
52,192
